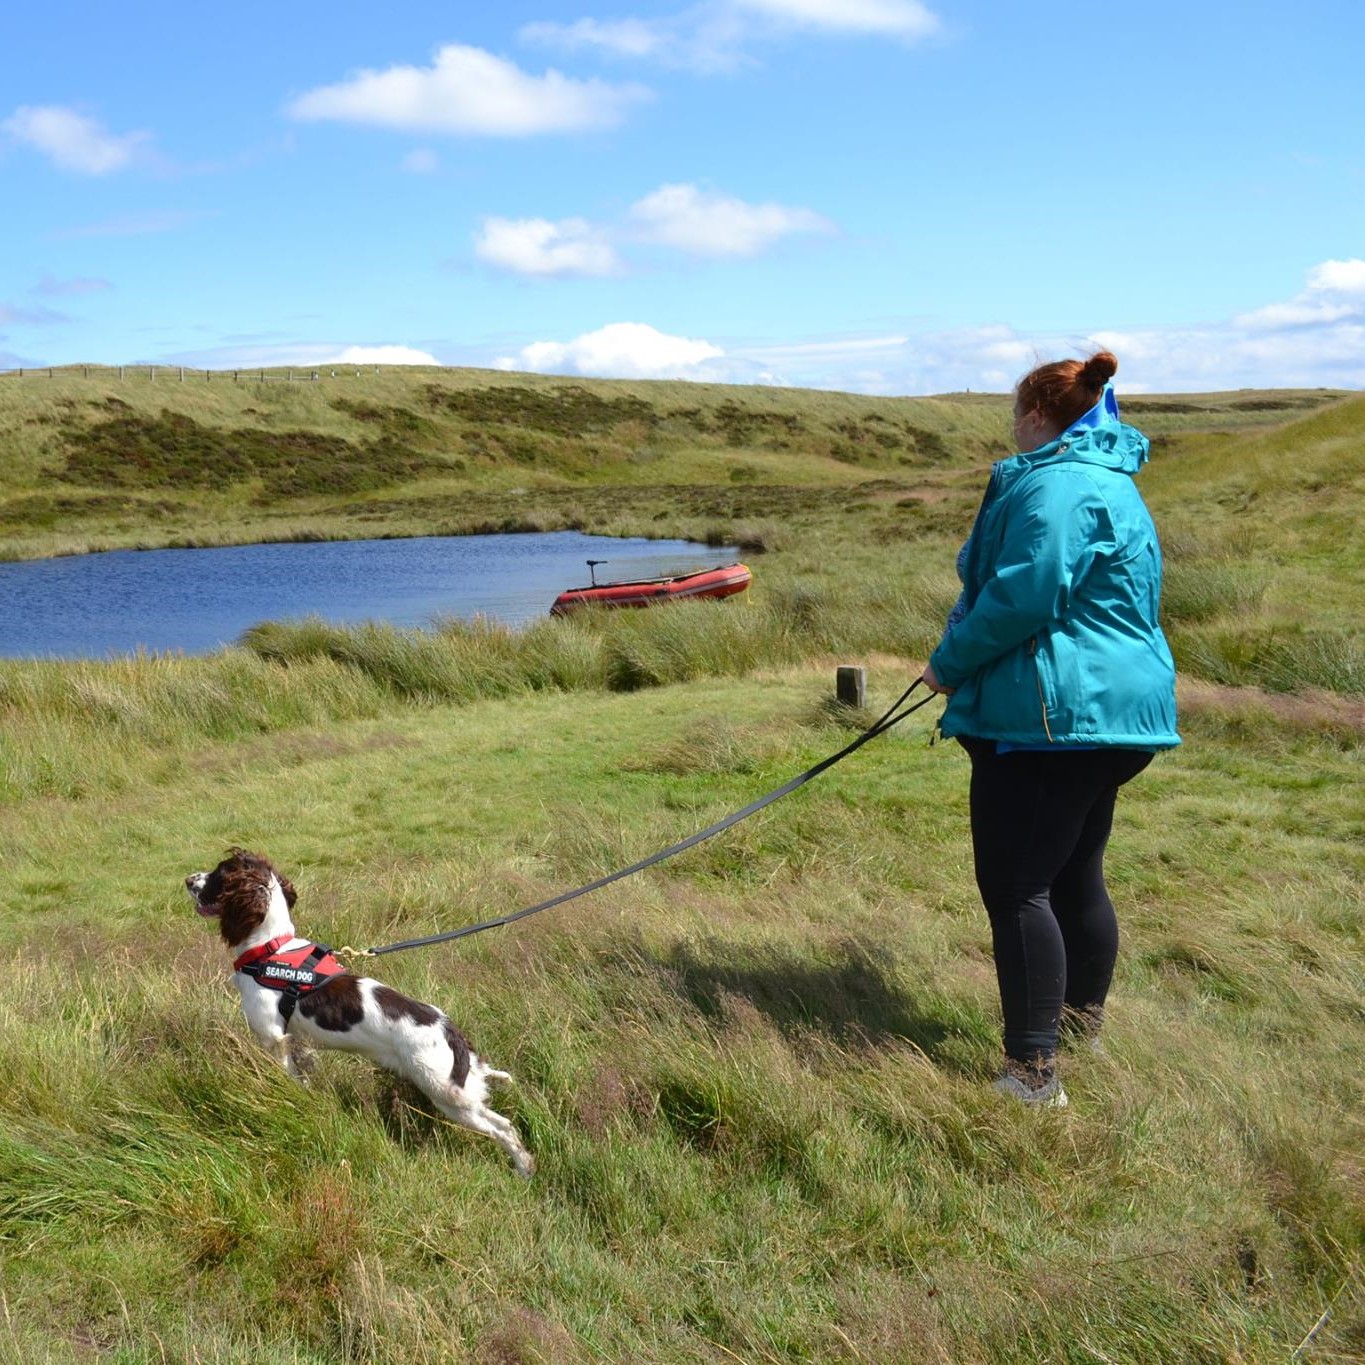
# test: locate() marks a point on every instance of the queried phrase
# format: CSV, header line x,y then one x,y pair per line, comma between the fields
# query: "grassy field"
x,y
757,1078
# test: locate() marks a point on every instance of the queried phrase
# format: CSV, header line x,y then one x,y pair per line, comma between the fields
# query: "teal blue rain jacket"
x,y
1059,642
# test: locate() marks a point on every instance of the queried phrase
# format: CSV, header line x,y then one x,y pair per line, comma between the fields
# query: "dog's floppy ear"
x,y
244,897
290,895
241,906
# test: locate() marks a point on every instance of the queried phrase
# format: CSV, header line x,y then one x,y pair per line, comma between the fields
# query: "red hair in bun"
x,y
1062,391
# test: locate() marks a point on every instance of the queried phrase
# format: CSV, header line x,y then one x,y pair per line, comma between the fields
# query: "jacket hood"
x,y
1096,437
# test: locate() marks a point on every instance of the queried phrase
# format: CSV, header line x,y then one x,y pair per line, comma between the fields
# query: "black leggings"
x,y
1040,822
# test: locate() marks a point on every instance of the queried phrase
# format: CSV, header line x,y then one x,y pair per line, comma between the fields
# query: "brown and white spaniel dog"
x,y
294,990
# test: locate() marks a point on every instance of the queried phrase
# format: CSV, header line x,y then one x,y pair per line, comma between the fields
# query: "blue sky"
x,y
877,195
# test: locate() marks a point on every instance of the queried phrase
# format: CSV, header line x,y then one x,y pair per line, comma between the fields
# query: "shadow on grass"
x,y
849,993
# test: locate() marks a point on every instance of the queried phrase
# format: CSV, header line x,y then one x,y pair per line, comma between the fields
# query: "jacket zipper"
x,y
1038,677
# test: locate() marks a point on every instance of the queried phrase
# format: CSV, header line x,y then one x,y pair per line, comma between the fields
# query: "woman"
x,y
1061,688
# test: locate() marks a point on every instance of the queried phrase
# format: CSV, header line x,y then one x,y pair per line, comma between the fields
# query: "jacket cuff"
x,y
944,671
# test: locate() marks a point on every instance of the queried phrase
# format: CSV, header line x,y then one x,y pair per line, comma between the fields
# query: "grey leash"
x,y
892,716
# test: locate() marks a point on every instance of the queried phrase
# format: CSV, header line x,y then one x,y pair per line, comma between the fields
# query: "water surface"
x,y
91,606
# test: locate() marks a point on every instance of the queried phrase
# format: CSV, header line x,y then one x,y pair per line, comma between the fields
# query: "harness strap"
x,y
261,950
320,950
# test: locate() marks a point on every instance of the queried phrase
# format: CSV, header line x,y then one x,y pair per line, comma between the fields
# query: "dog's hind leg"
x,y
481,1119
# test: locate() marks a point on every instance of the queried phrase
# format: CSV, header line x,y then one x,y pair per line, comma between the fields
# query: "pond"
x,y
92,606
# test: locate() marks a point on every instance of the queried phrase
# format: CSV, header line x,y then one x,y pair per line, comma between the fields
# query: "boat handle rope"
x,y
893,716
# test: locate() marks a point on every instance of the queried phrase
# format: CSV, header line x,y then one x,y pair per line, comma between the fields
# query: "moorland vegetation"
x,y
756,1079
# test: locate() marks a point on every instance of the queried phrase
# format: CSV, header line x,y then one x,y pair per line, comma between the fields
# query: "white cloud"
x,y
73,141
620,38
713,35
469,91
704,223
421,161
1303,312
536,246
1227,356
900,18
699,222
1315,340
1335,293
301,354
707,38
382,355
1161,359
1338,277
620,350
836,362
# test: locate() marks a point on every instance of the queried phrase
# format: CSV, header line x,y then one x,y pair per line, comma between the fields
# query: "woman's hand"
x,y
932,683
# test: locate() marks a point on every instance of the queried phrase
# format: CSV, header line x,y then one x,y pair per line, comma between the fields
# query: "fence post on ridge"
x,y
850,686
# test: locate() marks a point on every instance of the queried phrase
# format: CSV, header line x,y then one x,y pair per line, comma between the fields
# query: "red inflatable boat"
x,y
645,592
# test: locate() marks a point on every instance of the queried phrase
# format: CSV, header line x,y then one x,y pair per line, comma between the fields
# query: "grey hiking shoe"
x,y
1028,1085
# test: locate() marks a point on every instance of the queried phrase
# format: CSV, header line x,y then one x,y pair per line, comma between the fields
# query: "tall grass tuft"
x,y
598,648
74,728
1281,660
1199,589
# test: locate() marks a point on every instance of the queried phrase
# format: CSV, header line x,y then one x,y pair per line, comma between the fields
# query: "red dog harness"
x,y
293,973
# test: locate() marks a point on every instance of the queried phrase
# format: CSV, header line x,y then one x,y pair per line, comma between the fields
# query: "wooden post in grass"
x,y
850,686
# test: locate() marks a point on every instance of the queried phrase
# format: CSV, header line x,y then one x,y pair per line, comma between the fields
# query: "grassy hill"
x,y
109,462
89,460
756,1078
